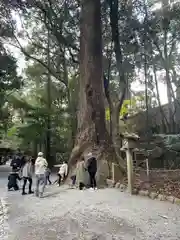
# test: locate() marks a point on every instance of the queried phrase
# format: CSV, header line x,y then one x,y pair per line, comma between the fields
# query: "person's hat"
x,y
40,154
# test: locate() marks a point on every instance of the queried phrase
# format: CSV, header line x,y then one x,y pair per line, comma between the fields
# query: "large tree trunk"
x,y
170,102
165,123
114,126
116,107
166,62
72,118
49,103
92,132
116,139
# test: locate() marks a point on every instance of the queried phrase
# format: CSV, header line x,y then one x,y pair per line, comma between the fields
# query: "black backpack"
x,y
18,161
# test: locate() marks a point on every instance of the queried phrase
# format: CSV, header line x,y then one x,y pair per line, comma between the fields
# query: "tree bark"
x,y
170,103
92,132
72,113
116,139
164,120
116,107
165,24
114,6
49,103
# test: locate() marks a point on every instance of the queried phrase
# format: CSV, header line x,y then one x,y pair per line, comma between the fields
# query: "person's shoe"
x,y
95,188
91,189
36,194
41,195
24,193
30,192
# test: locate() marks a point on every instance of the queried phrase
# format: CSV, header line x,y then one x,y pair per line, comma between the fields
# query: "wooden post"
x,y
135,158
129,170
147,168
129,144
113,166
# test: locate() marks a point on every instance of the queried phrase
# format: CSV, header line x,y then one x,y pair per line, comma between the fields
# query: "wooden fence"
x,y
156,175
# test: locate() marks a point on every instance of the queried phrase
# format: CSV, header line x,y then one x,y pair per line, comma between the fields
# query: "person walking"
x,y
40,173
27,173
63,171
92,169
73,176
48,173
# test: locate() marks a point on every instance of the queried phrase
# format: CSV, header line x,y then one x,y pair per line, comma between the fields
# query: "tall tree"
x,y
92,132
9,80
123,40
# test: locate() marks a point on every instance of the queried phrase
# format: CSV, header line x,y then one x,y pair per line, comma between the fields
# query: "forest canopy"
x,y
81,61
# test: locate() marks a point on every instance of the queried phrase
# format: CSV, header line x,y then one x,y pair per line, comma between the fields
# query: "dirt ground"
x,y
70,214
105,214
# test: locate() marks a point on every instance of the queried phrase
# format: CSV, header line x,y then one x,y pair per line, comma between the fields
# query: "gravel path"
x,y
106,214
4,226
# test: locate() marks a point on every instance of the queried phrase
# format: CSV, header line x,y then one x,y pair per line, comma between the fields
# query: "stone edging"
x,y
4,227
145,193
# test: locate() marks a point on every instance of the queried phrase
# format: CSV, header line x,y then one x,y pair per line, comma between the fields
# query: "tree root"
x,y
105,153
77,151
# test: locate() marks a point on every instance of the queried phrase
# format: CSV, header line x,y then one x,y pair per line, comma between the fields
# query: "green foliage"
x,y
142,38
32,111
13,131
129,106
9,80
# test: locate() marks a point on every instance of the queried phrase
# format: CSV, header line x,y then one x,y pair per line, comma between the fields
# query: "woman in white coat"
x,y
40,173
63,171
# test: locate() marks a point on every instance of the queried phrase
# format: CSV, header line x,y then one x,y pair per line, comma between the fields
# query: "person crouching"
x,y
12,179
27,172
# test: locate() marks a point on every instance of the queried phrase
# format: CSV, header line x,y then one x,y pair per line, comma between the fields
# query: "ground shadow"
x,y
53,194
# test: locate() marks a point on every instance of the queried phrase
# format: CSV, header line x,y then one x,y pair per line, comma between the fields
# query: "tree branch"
x,y
114,6
173,43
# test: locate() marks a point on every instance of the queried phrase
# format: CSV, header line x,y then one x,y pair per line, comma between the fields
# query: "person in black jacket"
x,y
92,169
18,160
12,180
